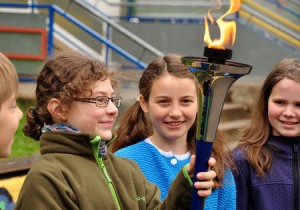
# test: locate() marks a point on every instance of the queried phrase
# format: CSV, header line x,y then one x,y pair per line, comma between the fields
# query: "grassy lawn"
x,y
24,146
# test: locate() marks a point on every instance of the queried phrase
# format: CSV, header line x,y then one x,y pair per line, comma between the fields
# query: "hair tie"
x,y
36,117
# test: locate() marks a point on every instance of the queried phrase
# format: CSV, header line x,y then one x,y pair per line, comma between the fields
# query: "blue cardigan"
x,y
161,170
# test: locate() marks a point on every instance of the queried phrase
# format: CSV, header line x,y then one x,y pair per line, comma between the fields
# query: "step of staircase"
x,y
234,111
233,125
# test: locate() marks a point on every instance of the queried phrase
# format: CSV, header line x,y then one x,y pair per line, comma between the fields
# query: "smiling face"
x,y
284,108
172,108
89,118
10,115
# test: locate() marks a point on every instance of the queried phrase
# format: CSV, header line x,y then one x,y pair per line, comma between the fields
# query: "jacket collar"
x,y
285,145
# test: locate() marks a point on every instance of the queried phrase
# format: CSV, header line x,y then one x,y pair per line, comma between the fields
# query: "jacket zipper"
x,y
100,163
110,184
296,177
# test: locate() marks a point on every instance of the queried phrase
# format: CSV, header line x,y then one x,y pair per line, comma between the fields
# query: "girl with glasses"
x,y
77,107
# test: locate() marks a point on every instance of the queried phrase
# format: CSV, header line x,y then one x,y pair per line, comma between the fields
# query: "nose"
x,y
19,113
175,111
111,108
289,111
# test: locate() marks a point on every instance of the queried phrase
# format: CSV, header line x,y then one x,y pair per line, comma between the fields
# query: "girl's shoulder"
x,y
135,149
228,178
238,154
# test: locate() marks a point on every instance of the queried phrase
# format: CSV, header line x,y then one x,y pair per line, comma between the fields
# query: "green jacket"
x,y
69,175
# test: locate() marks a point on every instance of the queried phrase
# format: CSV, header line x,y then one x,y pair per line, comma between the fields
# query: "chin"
x,y
106,137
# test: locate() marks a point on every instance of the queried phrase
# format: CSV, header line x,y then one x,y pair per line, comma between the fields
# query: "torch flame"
x,y
227,28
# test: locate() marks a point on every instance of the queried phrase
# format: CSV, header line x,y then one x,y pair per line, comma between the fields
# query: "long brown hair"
x,y
64,76
135,126
254,137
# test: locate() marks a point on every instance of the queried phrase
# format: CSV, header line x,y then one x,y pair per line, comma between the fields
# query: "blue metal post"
x,y
50,32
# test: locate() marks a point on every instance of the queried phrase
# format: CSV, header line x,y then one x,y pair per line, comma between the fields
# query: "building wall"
x,y
187,39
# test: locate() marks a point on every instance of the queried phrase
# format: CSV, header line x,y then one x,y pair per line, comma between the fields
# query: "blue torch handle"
x,y
203,153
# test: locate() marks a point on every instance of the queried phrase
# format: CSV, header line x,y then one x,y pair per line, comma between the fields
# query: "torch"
x,y
215,74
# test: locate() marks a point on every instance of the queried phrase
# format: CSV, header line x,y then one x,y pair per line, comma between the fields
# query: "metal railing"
x,y
274,24
53,9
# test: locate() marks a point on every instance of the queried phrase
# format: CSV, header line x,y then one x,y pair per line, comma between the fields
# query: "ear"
x,y
143,104
56,110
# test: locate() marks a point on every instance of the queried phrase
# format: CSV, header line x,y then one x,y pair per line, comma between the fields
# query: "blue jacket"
x,y
161,170
279,189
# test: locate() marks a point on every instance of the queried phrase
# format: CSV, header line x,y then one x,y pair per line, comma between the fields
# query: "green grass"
x,y
24,146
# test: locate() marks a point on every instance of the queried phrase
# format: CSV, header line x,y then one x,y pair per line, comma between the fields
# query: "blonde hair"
x,y
8,79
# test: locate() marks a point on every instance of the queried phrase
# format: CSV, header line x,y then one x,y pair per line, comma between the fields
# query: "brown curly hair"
x,y
65,76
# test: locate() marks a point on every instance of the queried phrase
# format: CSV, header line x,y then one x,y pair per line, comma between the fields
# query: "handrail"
x,y
99,37
163,4
270,28
278,4
251,12
122,30
53,8
272,14
289,36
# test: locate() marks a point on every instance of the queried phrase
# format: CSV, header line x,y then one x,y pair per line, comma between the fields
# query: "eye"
x,y
102,100
187,101
116,101
14,105
163,101
279,102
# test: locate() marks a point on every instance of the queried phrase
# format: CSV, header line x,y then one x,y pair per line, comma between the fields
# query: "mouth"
x,y
107,123
175,124
288,123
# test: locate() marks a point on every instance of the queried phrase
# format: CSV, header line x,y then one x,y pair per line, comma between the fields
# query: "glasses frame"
x,y
115,100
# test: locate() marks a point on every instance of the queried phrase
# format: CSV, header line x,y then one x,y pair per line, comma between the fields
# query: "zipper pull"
x,y
295,148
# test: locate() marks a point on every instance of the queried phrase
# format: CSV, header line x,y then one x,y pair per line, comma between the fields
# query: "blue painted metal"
x,y
27,79
50,45
278,4
53,8
99,37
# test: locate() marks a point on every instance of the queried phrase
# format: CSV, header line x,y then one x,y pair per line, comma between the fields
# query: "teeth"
x,y
289,123
174,123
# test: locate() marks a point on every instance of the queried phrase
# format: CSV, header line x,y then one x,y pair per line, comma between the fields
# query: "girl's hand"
x,y
205,183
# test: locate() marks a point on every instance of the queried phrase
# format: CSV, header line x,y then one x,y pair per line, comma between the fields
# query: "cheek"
x,y
191,112
273,111
157,113
7,133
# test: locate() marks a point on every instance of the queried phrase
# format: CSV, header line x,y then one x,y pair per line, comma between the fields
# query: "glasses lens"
x,y
102,101
116,101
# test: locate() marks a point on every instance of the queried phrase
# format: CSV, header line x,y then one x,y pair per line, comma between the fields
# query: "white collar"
x,y
169,153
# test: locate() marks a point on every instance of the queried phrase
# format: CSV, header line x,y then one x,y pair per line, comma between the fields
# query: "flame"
x,y
227,28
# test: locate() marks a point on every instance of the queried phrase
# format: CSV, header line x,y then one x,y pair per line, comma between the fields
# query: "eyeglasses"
x,y
101,101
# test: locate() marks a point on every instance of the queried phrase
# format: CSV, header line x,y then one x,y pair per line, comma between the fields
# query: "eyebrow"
x,y
103,93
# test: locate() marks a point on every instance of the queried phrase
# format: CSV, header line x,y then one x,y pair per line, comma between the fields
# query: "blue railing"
x,y
278,4
53,9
